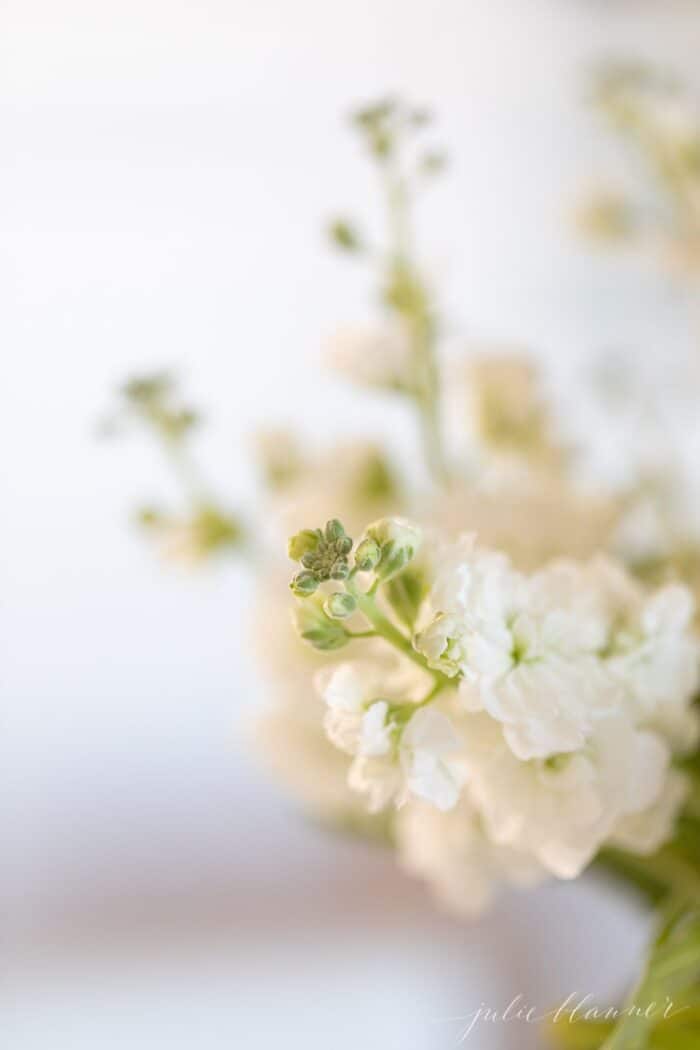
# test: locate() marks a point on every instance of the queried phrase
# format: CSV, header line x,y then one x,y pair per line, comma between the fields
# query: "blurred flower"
x,y
351,481
495,402
378,355
460,863
532,516
605,216
190,540
280,456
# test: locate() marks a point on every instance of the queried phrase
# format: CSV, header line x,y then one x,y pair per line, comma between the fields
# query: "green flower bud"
x,y
334,530
339,605
367,555
317,628
304,584
302,543
398,542
327,557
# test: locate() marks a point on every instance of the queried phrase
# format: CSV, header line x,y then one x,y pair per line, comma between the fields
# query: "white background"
x,y
166,171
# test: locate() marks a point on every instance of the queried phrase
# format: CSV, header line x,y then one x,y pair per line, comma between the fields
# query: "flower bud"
x,y
318,629
367,555
302,542
334,530
325,553
339,605
304,584
398,542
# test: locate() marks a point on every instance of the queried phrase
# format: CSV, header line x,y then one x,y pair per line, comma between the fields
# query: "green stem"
x,y
382,625
416,314
428,397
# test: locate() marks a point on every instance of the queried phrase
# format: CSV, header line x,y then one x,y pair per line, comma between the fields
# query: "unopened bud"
x,y
302,542
304,584
339,605
398,542
318,629
367,555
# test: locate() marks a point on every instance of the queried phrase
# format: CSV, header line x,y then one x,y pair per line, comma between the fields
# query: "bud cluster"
x,y
385,549
323,554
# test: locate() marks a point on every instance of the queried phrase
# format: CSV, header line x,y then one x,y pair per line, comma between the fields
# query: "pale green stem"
x,y
382,626
421,327
428,398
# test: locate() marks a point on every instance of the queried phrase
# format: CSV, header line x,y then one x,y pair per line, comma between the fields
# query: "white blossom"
x,y
425,763
356,694
647,831
458,860
526,648
656,660
562,810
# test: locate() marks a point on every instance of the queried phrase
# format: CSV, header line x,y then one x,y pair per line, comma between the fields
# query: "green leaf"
x,y
672,970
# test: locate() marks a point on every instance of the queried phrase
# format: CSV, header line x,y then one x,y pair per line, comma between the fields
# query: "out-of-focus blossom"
x,y
379,356
460,863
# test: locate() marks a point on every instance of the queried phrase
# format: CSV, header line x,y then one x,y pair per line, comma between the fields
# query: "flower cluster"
x,y
509,711
523,722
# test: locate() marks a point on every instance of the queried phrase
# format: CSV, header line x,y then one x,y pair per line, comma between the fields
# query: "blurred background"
x,y
167,169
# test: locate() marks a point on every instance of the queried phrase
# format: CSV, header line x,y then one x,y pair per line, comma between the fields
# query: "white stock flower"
x,y
656,659
532,516
424,763
461,864
562,810
526,648
356,694
647,831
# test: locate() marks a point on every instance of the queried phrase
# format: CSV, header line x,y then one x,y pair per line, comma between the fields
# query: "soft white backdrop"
x,y
166,169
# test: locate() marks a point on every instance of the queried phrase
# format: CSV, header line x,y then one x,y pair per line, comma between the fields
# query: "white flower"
x,y
380,779
357,694
373,355
425,763
656,659
527,648
441,643
429,748
562,810
647,831
454,855
531,516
